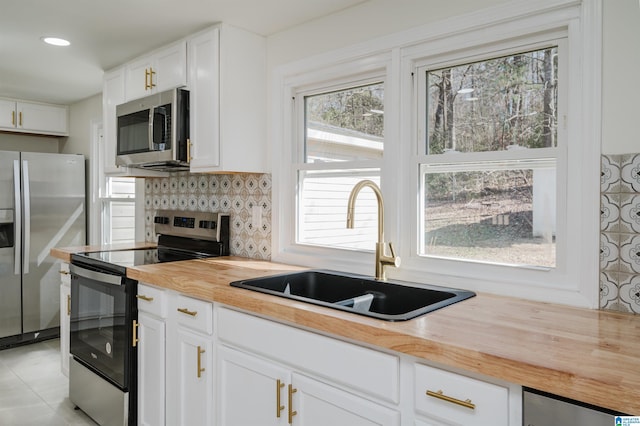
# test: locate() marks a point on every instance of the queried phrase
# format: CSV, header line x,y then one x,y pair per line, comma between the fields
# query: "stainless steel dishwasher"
x,y
543,409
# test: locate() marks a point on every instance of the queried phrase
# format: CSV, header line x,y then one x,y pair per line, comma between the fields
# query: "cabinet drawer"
x,y
460,399
194,314
369,371
152,300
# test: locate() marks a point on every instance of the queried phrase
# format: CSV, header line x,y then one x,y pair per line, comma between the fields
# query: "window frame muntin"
x,y
557,38
344,82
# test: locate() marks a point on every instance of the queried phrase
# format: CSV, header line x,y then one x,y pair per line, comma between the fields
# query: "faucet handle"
x,y
395,259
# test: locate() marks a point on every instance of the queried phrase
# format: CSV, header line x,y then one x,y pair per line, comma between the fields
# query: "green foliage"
x,y
493,104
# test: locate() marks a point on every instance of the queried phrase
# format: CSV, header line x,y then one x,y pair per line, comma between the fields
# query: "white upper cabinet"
x,y
227,83
224,69
161,70
34,117
112,95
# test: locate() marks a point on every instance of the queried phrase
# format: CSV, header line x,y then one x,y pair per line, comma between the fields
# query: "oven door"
x,y
103,314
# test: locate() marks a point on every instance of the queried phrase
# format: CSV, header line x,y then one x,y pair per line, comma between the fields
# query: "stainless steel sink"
x,y
388,300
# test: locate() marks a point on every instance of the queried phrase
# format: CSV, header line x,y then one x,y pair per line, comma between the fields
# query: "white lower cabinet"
x,y
318,404
254,371
255,391
283,375
175,359
189,364
192,379
447,398
252,391
65,317
152,314
151,366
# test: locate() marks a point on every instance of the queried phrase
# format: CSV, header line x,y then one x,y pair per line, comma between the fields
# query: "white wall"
x,y
360,23
81,115
31,143
621,77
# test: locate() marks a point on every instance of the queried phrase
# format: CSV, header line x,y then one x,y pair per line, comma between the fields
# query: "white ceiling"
x,y
106,33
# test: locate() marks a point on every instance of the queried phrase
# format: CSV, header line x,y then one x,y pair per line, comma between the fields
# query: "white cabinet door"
x,y
34,117
228,97
157,72
8,117
318,404
194,374
65,312
151,370
251,391
41,118
112,95
204,99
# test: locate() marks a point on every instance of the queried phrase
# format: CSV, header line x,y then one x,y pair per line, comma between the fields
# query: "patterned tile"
x,y
609,253
609,174
630,173
608,290
630,213
609,212
630,254
630,291
620,233
233,194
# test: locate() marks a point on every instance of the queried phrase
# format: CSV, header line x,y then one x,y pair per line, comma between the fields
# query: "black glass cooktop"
x,y
137,257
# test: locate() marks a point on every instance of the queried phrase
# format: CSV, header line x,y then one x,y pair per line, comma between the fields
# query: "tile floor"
x,y
33,390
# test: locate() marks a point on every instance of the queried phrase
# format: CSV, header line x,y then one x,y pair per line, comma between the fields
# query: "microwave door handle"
x,y
151,119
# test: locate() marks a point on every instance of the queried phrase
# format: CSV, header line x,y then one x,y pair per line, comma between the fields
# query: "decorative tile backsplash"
x,y
245,197
620,233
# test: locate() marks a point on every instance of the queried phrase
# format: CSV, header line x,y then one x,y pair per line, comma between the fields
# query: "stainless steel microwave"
x,y
153,132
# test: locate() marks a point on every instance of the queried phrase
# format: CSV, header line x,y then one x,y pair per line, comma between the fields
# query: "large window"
x,y
488,176
342,144
483,133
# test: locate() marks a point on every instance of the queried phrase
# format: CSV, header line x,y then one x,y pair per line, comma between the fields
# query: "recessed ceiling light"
x,y
55,41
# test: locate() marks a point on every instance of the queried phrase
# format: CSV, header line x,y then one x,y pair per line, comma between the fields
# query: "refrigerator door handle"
x,y
27,215
18,218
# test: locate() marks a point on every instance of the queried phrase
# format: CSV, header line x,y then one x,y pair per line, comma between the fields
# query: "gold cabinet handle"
x,y
13,118
189,158
200,369
440,395
291,412
68,305
145,298
188,312
64,272
151,74
20,119
279,406
135,334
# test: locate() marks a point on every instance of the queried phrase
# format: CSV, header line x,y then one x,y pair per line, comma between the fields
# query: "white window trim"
x,y
583,21
97,184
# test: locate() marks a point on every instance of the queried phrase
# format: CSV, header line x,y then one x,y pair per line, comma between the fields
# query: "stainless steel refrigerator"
x,y
42,205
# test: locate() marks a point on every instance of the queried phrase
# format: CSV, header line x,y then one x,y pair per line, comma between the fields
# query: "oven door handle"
x,y
95,275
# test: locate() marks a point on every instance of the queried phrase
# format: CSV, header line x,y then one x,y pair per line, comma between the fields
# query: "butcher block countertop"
x,y
587,355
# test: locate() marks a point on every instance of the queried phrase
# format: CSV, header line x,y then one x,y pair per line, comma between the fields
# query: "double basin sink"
x,y
387,300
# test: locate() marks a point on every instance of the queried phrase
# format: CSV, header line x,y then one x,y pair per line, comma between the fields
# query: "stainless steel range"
x,y
103,367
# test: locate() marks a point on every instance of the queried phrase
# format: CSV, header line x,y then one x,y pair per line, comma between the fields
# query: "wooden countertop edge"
x,y
364,330
600,388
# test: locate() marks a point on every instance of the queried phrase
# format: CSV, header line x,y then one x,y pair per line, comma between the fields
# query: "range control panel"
x,y
201,225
